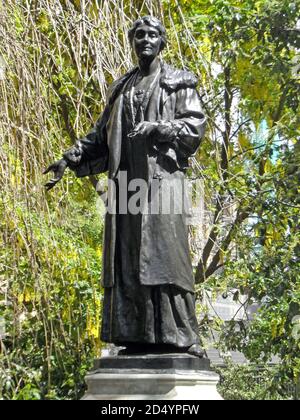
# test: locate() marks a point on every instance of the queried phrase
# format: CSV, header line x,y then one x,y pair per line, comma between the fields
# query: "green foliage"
x,y
246,55
268,268
50,264
52,301
248,382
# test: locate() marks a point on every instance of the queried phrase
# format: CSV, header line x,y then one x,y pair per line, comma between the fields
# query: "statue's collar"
x,y
171,79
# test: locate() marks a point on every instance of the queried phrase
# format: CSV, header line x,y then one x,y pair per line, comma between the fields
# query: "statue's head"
x,y
147,37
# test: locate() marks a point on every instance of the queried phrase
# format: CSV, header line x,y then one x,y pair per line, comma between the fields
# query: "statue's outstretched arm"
x,y
88,156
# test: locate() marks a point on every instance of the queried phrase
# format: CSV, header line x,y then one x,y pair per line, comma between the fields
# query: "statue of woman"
x,y
151,125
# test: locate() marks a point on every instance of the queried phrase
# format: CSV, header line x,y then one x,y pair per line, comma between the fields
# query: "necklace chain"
x,y
146,94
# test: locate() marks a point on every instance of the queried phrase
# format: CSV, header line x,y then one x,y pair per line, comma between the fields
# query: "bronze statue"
x,y
151,125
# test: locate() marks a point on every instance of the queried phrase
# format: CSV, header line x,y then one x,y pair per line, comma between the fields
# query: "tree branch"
x,y
215,263
278,113
227,131
201,268
239,127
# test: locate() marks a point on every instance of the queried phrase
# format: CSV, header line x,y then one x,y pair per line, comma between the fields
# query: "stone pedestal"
x,y
152,377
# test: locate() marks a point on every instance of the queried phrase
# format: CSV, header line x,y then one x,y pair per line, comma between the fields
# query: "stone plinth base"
x,y
152,377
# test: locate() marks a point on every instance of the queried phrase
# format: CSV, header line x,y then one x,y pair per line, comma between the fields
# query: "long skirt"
x,y
134,313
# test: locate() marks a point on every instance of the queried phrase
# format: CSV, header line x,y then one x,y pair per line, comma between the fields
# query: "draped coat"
x,y
175,104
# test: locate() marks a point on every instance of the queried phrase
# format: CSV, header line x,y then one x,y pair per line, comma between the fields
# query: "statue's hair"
x,y
150,21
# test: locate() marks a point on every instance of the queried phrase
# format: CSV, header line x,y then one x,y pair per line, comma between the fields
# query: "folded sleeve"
x,y
89,155
183,134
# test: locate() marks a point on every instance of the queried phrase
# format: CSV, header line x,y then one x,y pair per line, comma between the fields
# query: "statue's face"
x,y
146,42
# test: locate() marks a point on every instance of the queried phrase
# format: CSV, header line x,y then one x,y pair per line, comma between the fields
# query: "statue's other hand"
x,y
58,168
143,129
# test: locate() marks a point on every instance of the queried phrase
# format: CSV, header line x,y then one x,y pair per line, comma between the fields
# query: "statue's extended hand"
x,y
58,169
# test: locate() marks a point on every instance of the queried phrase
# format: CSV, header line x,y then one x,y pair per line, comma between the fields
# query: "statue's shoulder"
x,y
174,79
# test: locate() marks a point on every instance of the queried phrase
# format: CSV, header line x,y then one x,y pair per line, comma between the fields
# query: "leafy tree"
x,y
247,53
249,383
